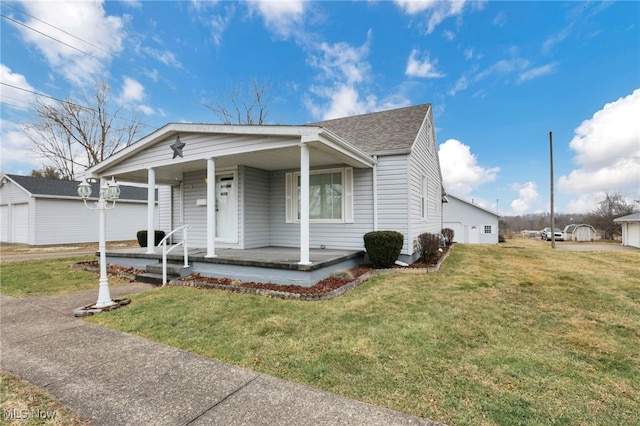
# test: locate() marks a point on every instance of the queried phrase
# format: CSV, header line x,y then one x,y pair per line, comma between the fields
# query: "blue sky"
x,y
500,77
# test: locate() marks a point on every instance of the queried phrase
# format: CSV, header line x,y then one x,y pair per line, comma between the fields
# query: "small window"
x,y
487,229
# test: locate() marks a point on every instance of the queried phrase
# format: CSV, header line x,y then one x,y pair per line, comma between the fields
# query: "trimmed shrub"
x,y
429,245
448,235
142,237
383,247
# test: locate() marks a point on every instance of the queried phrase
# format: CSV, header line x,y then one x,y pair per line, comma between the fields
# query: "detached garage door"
x,y
20,223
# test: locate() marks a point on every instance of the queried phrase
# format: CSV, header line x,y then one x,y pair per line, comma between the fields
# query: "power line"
x,y
57,28
72,103
173,92
51,37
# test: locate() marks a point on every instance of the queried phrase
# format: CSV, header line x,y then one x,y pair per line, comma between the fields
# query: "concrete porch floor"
x,y
266,264
266,257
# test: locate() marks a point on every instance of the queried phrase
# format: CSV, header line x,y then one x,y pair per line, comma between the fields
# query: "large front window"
x,y
325,196
330,197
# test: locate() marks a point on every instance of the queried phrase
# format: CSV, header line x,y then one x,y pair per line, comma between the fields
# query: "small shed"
x,y
630,229
579,232
40,211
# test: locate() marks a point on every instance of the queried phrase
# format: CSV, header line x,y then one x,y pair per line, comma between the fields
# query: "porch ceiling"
x,y
271,160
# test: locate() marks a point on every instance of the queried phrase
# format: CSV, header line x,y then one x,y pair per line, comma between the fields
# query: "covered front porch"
x,y
277,265
247,187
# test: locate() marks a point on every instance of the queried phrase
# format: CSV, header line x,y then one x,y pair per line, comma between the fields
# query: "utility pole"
x,y
553,219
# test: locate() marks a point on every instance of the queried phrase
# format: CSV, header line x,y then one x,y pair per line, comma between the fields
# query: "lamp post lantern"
x,y
109,193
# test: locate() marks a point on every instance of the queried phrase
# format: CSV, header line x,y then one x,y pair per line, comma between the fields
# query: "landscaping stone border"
x,y
314,297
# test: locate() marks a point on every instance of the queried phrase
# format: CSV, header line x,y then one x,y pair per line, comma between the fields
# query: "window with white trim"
x,y
487,229
330,196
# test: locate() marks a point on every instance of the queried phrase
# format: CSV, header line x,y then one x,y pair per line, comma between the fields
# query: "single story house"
x,y
471,223
287,203
40,211
630,229
579,232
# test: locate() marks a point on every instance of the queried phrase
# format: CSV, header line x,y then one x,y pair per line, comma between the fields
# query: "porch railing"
x,y
166,251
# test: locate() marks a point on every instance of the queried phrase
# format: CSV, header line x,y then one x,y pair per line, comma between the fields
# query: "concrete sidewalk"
x,y
119,379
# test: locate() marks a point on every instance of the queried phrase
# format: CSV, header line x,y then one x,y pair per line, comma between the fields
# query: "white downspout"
x,y
211,208
151,203
304,205
375,193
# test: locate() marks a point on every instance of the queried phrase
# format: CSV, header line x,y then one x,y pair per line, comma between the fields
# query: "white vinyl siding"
x,y
255,204
69,221
199,147
393,195
424,182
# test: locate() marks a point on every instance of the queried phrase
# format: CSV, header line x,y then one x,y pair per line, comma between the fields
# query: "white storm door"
x,y
226,203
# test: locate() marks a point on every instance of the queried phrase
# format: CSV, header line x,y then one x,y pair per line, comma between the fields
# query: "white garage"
x,y
471,223
630,229
39,211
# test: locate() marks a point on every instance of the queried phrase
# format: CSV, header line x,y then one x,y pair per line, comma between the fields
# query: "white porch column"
x,y
211,208
151,208
304,205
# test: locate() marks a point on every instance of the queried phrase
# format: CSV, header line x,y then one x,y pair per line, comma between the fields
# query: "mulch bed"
x,y
326,289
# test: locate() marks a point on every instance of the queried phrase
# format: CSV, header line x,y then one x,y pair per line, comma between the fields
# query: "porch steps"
x,y
154,273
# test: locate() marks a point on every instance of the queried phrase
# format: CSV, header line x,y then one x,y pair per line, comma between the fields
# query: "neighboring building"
x,y
240,186
630,229
579,232
39,211
471,223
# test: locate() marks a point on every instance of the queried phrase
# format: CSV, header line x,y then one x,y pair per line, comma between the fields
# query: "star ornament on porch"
x,y
177,147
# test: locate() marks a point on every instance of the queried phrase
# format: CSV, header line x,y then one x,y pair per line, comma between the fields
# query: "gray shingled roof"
x,y
634,217
377,132
69,188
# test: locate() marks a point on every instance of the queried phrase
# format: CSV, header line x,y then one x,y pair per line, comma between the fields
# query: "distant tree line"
x,y
613,205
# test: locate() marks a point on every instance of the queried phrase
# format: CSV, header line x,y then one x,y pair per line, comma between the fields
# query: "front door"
x,y
226,202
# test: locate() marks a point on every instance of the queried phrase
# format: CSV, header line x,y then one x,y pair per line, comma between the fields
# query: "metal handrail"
x,y
165,251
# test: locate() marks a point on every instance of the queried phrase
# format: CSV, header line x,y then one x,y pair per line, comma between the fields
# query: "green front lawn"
x,y
509,334
47,277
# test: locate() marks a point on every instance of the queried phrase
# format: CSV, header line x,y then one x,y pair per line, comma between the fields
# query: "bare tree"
x,y
73,136
613,205
245,104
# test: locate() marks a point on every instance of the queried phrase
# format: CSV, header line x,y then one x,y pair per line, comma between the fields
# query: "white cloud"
x,y
343,70
133,95
422,67
283,18
449,35
16,154
165,56
500,19
502,68
461,172
132,91
607,149
11,96
436,10
527,196
538,72
97,37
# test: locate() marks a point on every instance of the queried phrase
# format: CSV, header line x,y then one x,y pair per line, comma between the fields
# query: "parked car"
x,y
545,234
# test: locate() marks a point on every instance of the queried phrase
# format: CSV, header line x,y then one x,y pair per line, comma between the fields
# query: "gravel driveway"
x,y
594,247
